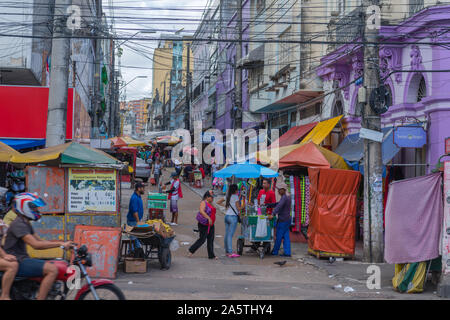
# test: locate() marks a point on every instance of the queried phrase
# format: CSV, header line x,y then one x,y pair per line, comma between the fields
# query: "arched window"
x,y
417,89
338,109
422,91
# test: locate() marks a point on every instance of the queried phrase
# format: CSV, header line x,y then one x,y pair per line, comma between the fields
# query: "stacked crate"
x,y
157,202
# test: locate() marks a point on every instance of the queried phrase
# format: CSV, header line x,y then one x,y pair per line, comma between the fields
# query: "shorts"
x,y
31,268
173,205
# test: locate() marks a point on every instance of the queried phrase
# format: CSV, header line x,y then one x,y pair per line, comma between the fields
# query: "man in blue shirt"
x,y
136,211
283,211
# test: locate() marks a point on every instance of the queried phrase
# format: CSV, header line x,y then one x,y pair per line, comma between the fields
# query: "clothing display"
x,y
302,198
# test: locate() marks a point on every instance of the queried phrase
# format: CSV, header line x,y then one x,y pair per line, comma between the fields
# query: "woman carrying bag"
x,y
232,218
206,218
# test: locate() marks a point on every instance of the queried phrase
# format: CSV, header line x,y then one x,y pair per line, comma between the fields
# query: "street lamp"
x,y
138,77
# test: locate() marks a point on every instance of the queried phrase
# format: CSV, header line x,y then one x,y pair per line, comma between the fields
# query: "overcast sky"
x,y
129,21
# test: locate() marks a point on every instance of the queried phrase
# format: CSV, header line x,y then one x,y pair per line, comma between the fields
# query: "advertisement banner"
x,y
92,190
410,137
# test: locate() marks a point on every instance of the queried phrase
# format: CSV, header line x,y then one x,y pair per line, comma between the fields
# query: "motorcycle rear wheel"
x,y
107,288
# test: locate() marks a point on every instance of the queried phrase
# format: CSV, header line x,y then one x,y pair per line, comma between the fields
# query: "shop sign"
x,y
371,134
410,137
92,190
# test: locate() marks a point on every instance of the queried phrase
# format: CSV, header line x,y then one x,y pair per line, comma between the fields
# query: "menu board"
x,y
92,190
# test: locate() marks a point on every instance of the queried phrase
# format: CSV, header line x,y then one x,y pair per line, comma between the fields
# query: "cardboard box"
x,y
133,265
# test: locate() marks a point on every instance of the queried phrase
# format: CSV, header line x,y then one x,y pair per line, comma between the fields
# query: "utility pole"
x,y
97,71
238,71
59,77
112,101
373,195
187,115
170,100
164,106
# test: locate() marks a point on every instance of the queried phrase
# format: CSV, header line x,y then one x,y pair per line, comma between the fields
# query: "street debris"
x,y
339,286
348,289
185,243
130,282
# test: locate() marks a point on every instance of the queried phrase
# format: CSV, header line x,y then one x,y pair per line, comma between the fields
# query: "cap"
x,y
281,185
139,185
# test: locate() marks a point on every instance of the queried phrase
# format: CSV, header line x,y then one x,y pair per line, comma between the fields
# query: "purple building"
x,y
417,95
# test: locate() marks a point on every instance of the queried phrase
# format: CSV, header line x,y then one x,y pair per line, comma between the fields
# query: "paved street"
x,y
249,277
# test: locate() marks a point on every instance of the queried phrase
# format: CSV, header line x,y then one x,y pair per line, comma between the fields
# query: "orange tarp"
x,y
308,155
332,210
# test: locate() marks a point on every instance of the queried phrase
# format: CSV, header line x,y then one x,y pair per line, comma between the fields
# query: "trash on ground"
x,y
219,236
185,243
331,276
339,259
348,289
338,286
130,282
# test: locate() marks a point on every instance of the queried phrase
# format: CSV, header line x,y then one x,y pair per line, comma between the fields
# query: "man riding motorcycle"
x,y
21,233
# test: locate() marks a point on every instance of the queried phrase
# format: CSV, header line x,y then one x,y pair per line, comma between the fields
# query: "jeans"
x,y
230,227
204,235
135,241
157,179
282,234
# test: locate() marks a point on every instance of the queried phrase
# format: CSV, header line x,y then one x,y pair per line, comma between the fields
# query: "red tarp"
x,y
332,210
293,135
307,155
24,112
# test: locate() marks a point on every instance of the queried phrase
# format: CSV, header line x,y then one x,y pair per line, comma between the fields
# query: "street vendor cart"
x,y
155,245
256,227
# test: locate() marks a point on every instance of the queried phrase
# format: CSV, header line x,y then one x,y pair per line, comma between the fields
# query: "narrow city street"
x,y
248,277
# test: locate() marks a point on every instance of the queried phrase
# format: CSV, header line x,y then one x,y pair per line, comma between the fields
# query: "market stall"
x,y
256,227
126,155
331,231
80,186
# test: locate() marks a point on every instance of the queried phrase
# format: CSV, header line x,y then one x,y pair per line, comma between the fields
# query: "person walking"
x,y
283,211
157,167
205,218
233,206
175,193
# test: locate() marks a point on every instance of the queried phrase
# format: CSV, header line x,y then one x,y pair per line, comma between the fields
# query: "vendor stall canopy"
x,y
313,156
6,152
246,171
68,153
127,142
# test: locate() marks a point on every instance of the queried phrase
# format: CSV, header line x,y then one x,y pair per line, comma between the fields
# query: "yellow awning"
x,y
133,143
321,131
6,152
41,155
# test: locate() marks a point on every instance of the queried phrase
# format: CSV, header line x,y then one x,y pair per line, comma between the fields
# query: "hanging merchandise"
x,y
292,188
305,214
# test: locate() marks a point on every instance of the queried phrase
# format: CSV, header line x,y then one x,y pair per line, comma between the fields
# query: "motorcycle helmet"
x,y
27,204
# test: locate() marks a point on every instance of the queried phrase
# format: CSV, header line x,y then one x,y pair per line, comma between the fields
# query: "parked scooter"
x,y
66,281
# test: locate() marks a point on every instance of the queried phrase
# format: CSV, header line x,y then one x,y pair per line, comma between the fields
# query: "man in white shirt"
x,y
175,193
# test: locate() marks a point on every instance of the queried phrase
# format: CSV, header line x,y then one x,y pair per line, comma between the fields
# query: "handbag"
x,y
201,219
239,218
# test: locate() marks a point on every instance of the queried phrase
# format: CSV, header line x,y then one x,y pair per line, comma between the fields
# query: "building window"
x,y
285,48
256,78
422,91
311,111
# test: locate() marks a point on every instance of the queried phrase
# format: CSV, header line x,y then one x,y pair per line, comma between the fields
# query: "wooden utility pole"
x,y
59,77
373,166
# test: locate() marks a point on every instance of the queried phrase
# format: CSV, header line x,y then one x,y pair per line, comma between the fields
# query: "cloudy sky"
x,y
130,17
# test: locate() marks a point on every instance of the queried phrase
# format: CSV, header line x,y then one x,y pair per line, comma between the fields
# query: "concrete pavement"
x,y
249,277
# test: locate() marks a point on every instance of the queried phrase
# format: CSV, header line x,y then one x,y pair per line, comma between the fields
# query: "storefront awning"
x,y
6,152
352,148
293,135
20,144
301,96
321,130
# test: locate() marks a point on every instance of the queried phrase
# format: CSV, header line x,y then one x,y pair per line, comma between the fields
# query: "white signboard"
x,y
371,135
92,190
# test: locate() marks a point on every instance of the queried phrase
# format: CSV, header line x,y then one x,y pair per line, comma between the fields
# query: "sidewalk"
x,y
349,273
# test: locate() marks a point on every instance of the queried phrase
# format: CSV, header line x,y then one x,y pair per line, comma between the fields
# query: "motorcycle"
x,y
66,282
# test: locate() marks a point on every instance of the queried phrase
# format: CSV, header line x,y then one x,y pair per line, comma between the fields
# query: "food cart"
x,y
255,216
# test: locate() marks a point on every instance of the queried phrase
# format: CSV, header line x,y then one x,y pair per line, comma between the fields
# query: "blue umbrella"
x,y
246,171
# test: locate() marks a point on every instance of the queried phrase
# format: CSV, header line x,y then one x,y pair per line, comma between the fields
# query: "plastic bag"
x,y
261,228
174,245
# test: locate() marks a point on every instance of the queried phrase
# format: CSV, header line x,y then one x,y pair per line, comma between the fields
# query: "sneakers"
x,y
233,255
